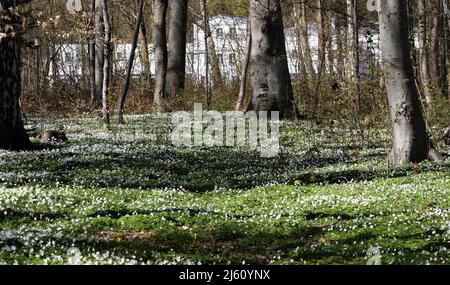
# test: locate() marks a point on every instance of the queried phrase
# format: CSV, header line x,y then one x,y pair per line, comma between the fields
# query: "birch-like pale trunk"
x,y
411,141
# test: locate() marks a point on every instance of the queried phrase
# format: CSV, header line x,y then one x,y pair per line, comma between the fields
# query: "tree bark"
x,y
126,85
244,73
143,46
12,132
216,74
269,72
176,61
99,52
304,39
411,141
91,52
424,51
160,43
106,61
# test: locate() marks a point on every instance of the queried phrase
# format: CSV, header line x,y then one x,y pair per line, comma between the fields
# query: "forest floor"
x,y
127,196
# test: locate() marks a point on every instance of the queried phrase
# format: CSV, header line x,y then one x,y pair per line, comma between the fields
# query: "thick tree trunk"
x,y
411,141
446,9
176,61
160,43
126,85
12,132
269,72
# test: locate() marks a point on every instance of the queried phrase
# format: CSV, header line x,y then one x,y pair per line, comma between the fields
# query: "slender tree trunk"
x,y
269,72
144,53
160,43
126,85
216,74
443,52
99,53
244,73
331,26
304,39
411,142
340,62
106,61
91,52
424,51
434,44
349,62
176,61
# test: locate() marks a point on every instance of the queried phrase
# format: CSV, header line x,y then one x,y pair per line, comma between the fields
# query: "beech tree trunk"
x,y
269,72
12,132
176,61
411,141
160,43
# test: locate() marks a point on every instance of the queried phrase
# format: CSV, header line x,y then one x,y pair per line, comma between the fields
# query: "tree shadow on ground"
x,y
197,170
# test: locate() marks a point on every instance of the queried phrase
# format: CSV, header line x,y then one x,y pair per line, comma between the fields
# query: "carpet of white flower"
x,y
126,196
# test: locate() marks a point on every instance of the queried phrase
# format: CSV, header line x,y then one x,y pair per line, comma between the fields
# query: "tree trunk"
x,y
269,72
91,52
446,9
143,46
99,53
126,85
243,83
216,74
411,142
321,52
434,44
12,132
304,39
176,61
424,51
106,62
160,43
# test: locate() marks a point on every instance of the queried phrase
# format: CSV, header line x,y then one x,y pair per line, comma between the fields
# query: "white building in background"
x,y
229,34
